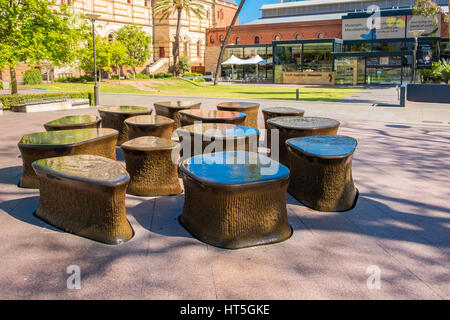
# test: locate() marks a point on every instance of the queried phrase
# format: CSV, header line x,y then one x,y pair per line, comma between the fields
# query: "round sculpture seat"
x,y
150,165
216,137
156,126
235,199
73,122
41,145
114,118
189,117
276,112
84,195
171,109
321,172
250,109
295,127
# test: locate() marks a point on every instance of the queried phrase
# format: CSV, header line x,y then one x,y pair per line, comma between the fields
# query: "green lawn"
x,y
179,87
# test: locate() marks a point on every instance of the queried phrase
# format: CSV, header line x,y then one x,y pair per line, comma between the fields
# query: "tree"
x,y
32,31
104,54
137,43
225,41
118,56
167,8
429,8
183,65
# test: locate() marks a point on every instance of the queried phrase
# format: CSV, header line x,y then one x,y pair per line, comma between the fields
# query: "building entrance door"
x,y
349,71
162,52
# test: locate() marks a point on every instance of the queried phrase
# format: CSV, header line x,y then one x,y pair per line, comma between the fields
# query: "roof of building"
x,y
305,18
229,1
305,3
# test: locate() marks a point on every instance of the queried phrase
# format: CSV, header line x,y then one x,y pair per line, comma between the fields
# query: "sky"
x,y
251,11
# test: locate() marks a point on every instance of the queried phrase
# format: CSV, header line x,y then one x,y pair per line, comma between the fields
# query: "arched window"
x,y
298,37
256,40
320,35
237,40
198,48
277,38
111,37
221,38
211,39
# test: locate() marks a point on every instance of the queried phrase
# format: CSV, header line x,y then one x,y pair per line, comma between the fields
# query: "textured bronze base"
x,y
152,171
116,120
289,133
211,116
322,184
271,113
161,129
236,216
252,113
171,110
102,146
83,207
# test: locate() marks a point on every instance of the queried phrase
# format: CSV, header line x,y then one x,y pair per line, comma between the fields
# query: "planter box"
x,y
43,106
428,92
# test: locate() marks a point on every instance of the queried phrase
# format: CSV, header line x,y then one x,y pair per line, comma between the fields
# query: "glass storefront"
x,y
304,56
253,73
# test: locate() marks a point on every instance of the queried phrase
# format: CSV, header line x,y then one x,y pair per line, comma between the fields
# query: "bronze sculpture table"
x,y
73,122
150,165
294,127
156,126
250,109
114,118
170,109
235,199
216,137
276,112
84,195
321,172
189,117
41,145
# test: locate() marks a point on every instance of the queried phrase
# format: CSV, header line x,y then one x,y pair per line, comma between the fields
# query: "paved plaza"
x,y
399,229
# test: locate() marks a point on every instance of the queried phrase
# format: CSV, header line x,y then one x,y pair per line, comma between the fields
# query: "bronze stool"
x,y
235,199
114,117
250,109
84,195
189,117
321,172
170,109
276,112
294,127
156,126
41,145
150,165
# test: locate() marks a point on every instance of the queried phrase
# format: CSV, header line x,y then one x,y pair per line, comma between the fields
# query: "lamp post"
x,y
416,34
94,17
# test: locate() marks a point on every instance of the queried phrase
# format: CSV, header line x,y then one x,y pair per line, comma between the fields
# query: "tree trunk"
x,y
225,41
176,47
12,72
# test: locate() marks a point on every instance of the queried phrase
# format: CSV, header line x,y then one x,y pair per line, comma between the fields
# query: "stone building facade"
x,y
117,13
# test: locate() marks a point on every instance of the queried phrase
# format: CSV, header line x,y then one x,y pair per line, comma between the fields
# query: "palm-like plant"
x,y
167,8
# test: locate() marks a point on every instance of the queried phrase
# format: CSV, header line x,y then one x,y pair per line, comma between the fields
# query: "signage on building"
x,y
389,27
424,56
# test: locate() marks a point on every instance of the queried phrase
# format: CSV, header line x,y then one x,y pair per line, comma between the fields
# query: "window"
x,y
198,48
211,39
221,38
298,37
111,37
277,38
256,40
146,3
320,35
237,40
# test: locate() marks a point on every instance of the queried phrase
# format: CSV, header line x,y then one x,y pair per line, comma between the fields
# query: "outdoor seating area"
x,y
235,197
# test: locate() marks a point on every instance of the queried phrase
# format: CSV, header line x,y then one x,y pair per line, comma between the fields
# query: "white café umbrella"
x,y
232,61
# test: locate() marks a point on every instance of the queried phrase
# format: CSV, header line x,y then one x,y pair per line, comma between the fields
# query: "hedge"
x,y
8,100
32,76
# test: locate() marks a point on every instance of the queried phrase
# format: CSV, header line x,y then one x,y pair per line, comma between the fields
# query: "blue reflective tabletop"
x,y
324,146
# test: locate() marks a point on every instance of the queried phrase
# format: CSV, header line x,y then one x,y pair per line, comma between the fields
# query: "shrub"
x,y
82,79
183,65
32,76
200,80
142,76
158,76
150,76
7,100
114,77
192,74
168,75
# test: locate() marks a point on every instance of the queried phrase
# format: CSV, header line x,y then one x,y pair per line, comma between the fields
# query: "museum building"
x,y
332,42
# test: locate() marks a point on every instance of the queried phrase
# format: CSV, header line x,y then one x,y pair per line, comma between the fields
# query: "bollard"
x,y
297,94
403,95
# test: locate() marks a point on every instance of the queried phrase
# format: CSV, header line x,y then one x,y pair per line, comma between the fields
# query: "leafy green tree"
x,y
167,8
118,56
137,44
225,41
183,65
104,54
32,31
